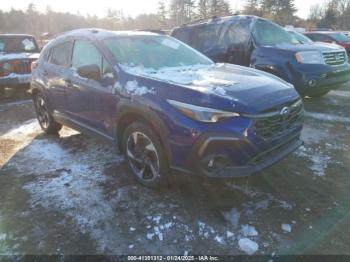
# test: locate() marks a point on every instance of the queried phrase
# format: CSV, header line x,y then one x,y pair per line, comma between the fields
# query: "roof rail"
x,y
200,20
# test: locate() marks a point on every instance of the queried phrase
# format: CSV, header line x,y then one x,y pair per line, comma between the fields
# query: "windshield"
x,y
339,37
301,38
18,44
154,51
270,34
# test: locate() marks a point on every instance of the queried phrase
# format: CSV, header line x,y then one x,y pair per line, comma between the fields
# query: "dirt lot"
x,y
72,195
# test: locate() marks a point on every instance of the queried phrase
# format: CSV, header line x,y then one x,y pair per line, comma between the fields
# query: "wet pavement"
x,y
73,195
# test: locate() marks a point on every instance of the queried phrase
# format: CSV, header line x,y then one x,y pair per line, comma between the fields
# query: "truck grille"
x,y
334,58
22,67
278,122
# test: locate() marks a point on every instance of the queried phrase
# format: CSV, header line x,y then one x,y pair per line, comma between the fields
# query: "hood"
x,y
16,56
316,46
250,90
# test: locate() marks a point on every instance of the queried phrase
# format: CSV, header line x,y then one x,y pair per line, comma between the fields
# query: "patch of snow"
x,y
229,234
319,160
248,246
286,228
157,219
328,117
3,236
219,240
186,253
232,216
132,229
308,209
131,246
133,88
150,236
248,231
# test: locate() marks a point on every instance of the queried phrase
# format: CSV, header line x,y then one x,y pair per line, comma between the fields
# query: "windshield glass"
x,y
18,44
270,34
153,51
340,37
301,38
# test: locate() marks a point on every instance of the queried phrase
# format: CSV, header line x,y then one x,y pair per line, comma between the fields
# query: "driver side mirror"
x,y
90,71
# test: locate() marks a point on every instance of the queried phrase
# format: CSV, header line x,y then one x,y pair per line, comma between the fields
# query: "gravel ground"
x,y
73,195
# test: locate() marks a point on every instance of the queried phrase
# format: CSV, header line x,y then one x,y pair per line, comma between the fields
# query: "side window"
x,y
46,54
107,70
86,53
207,38
238,34
61,54
182,35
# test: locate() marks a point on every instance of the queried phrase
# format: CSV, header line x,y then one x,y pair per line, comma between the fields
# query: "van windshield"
x,y
154,51
269,34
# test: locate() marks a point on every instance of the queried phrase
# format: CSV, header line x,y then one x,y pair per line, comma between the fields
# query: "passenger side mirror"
x,y
90,72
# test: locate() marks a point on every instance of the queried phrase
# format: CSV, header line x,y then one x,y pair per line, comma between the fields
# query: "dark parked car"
x,y
165,105
17,52
252,41
330,37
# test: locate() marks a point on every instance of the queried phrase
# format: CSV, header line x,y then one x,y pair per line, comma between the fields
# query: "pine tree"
x,y
203,9
162,14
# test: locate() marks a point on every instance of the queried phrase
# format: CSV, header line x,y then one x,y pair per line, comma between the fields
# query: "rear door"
x,y
55,73
91,103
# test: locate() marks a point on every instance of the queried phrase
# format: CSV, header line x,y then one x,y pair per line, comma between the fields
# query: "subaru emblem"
x,y
284,111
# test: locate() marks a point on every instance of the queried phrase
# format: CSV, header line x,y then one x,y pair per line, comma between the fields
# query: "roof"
x,y
16,35
219,20
96,33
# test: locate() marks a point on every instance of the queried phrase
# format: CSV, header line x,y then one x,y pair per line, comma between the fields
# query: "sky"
x,y
129,7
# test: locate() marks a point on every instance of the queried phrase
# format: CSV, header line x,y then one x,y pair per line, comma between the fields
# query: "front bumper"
x,y
15,80
313,79
206,158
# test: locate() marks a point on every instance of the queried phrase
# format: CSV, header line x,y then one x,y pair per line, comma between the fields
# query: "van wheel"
x,y
319,94
145,155
46,121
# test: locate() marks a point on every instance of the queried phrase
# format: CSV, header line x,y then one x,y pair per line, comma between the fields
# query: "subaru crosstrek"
x,y
314,69
17,52
165,105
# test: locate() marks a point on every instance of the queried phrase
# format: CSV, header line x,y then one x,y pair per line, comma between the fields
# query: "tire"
x,y
319,94
45,119
145,155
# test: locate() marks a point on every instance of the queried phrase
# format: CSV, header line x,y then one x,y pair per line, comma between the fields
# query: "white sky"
x,y
129,7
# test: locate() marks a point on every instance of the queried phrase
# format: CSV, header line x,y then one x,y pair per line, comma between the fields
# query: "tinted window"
x,y
61,54
206,37
86,53
183,35
16,44
319,37
238,33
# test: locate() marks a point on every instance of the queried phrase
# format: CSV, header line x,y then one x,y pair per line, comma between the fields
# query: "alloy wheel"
x,y
42,112
142,156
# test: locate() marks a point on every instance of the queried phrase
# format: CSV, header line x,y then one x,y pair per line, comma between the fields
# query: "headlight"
x,y
202,114
309,57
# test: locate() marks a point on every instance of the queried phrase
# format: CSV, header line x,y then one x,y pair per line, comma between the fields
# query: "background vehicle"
x,y
165,105
300,37
330,37
252,41
17,52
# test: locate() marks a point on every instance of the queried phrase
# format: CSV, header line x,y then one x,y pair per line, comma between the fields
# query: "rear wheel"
x,y
145,155
46,121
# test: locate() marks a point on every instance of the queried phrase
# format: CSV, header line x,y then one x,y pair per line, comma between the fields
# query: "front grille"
x,y
275,124
334,58
22,67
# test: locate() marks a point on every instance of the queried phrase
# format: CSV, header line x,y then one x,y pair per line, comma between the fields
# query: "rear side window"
x,y
46,54
319,37
237,34
61,54
206,37
182,35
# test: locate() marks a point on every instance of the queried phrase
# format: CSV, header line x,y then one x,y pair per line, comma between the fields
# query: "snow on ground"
x,y
248,246
286,228
328,117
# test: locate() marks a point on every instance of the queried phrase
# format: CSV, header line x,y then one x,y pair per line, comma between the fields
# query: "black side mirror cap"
x,y
90,71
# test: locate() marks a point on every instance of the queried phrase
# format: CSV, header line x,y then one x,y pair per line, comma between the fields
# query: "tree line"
x,y
334,14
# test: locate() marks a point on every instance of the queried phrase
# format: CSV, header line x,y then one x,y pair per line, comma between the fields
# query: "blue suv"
x,y
166,106
313,68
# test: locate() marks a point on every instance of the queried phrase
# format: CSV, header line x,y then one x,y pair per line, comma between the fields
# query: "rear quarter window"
x,y
182,35
206,37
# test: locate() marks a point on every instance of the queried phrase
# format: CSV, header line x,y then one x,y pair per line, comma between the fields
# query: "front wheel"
x,y
145,155
46,121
